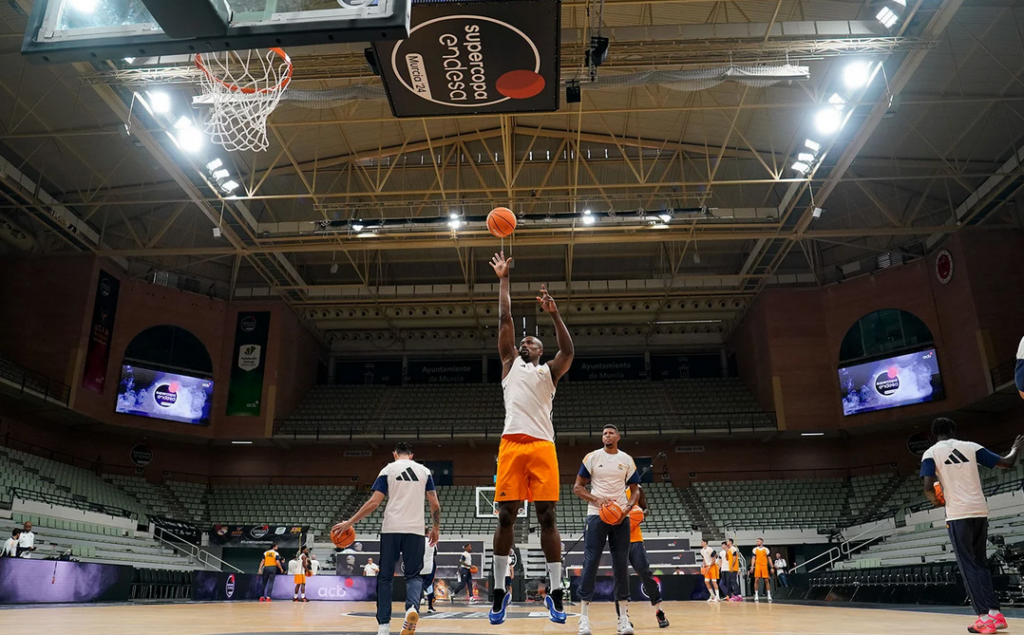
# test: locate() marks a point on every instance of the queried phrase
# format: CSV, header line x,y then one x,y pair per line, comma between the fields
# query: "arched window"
x,y
170,348
883,333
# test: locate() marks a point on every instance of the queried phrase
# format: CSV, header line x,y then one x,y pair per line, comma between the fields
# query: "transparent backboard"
x,y
486,507
75,30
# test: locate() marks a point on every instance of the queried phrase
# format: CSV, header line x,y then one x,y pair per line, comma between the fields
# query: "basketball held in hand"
x,y
611,513
501,222
343,539
939,495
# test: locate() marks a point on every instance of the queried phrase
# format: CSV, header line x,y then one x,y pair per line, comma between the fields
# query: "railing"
x,y
426,426
28,382
1002,373
194,552
843,550
72,502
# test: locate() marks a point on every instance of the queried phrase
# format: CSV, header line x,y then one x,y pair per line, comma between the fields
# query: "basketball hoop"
x,y
242,89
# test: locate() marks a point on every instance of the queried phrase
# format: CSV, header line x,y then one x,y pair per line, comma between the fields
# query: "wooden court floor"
x,y
692,618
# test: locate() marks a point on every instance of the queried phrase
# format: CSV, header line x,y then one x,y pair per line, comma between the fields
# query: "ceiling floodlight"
x,y
828,120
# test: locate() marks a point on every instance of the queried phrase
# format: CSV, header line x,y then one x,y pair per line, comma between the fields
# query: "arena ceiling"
x,y
928,147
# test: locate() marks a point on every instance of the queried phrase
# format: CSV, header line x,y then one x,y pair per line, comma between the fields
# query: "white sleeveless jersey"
x,y
529,391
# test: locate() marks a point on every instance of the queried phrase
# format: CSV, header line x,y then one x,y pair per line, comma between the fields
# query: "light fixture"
x,y
357,227
367,235
665,217
828,120
221,174
84,6
190,140
806,157
812,434
229,186
241,443
587,212
816,212
659,226
129,60
455,223
837,101
812,145
334,267
801,167
857,74
887,17
160,101
453,216
182,123
588,218
213,165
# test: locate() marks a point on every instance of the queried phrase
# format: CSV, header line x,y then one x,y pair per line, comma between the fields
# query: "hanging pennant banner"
x,y
94,377
245,393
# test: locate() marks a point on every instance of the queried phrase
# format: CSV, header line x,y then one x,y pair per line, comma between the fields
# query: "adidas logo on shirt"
x,y
956,458
407,475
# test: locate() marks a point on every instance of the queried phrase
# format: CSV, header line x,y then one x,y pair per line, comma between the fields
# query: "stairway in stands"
x,y
701,517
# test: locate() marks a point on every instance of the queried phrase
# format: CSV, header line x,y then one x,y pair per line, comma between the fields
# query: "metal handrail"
x,y
69,501
195,552
30,382
837,552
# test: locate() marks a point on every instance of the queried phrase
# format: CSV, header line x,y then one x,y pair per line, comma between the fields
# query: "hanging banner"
x,y
458,371
245,393
378,373
463,58
104,309
262,536
605,368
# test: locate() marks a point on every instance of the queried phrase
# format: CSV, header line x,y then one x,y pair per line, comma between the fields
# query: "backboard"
x,y
92,30
486,507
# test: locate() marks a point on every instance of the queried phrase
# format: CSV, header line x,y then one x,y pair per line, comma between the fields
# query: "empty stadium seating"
x,y
94,542
774,504
316,506
712,405
44,476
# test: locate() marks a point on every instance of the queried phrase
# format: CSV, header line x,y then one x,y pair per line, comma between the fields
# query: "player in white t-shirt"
x,y
527,462
610,472
406,483
954,465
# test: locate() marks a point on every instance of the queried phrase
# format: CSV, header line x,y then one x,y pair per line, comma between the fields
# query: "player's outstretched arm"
x,y
506,329
563,359
368,507
1010,459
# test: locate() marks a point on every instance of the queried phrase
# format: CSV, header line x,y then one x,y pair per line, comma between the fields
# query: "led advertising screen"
x,y
161,395
891,382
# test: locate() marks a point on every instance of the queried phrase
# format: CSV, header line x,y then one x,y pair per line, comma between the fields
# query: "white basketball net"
x,y
242,88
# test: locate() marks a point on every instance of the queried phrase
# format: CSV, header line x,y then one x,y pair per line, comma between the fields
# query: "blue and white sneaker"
x,y
553,601
501,601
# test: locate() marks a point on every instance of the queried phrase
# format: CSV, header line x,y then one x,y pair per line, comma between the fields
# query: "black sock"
x,y
499,596
556,598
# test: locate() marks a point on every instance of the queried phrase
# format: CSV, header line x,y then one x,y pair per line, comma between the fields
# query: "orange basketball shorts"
x,y
712,572
527,470
761,572
300,578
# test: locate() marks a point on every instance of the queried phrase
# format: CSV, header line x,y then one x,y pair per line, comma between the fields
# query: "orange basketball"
x,y
939,495
611,513
473,570
343,539
501,222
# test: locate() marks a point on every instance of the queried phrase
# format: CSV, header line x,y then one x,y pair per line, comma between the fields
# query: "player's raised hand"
x,y
1018,443
501,265
547,303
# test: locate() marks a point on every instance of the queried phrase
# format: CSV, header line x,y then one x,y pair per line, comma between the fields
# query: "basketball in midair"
x,y
343,539
501,222
610,513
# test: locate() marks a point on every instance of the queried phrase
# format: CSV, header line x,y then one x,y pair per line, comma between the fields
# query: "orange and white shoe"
x,y
988,627
1000,622
412,618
